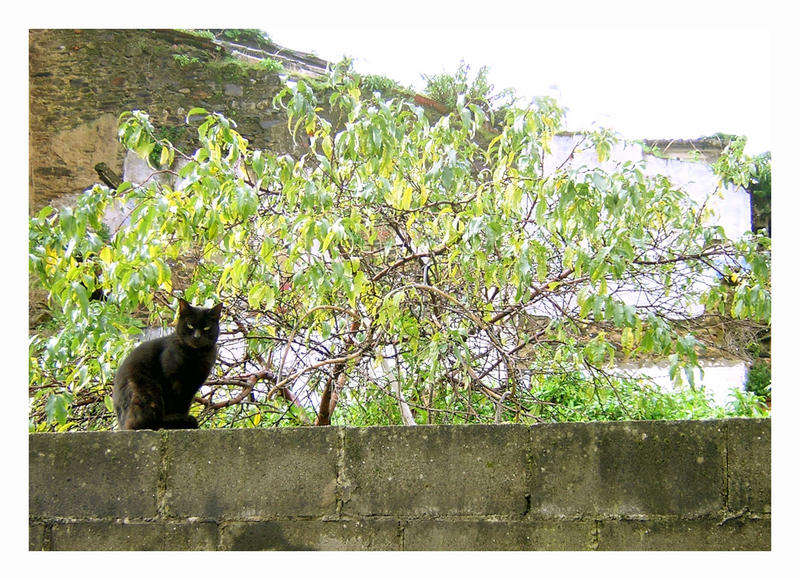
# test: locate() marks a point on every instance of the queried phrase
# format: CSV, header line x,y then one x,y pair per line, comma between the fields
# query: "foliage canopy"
x,y
399,271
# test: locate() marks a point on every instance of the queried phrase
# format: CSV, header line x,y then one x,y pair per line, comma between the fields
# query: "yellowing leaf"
x,y
627,339
405,203
105,255
164,161
164,276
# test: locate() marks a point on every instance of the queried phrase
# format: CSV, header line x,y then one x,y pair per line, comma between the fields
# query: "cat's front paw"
x,y
180,422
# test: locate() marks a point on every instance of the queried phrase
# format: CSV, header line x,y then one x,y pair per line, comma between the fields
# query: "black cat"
x,y
155,385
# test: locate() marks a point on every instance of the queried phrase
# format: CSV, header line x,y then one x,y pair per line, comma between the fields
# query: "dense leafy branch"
x,y
399,271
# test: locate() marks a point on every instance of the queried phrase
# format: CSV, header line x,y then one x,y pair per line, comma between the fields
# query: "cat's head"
x,y
197,327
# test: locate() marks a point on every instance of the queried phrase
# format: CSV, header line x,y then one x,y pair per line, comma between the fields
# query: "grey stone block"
x,y
312,535
93,474
680,535
251,473
629,468
435,470
749,465
424,535
140,536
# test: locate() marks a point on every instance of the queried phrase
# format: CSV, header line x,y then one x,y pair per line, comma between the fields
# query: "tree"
x,y
447,89
754,174
398,271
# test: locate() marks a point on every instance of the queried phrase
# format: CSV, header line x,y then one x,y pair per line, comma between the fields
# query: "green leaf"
x,y
82,296
194,112
57,408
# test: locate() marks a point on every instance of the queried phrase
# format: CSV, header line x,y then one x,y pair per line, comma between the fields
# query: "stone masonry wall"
x,y
82,80
689,485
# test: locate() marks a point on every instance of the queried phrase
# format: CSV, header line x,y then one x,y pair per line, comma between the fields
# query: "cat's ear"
x,y
183,306
216,310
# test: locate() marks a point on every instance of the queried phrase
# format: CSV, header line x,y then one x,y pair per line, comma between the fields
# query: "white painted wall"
x,y
717,378
732,206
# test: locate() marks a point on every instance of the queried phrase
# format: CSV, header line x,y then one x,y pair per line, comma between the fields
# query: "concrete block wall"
x,y
688,485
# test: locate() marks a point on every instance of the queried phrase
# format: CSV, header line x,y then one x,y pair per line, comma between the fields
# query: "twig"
x,y
498,413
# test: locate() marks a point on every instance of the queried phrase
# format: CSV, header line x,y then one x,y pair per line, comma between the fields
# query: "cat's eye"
x,y
206,328
189,326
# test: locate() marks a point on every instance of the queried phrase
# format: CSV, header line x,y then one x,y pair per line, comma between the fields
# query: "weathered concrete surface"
x,y
749,466
94,474
251,473
682,535
499,535
629,468
139,536
434,471
693,485
312,535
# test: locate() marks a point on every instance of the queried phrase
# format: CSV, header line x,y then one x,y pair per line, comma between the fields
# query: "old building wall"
x,y
82,80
